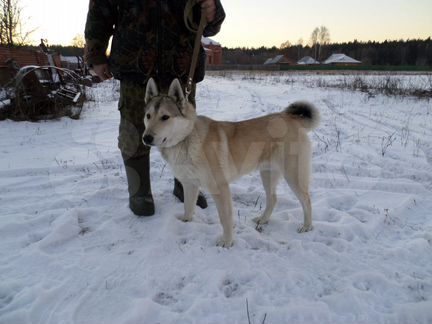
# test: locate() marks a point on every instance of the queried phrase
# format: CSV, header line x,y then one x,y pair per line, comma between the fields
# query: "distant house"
x,y
308,60
213,51
25,56
14,58
268,61
279,59
341,59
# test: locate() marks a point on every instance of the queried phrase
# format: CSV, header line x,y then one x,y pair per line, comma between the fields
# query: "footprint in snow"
x,y
164,299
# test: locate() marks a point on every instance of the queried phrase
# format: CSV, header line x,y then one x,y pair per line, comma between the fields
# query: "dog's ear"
x,y
151,90
176,91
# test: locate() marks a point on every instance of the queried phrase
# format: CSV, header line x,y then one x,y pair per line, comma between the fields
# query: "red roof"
x,y
22,56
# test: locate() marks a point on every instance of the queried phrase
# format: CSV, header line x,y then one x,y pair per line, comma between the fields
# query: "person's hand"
x,y
102,71
209,9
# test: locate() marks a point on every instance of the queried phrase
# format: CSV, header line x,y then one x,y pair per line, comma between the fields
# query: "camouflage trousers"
x,y
131,107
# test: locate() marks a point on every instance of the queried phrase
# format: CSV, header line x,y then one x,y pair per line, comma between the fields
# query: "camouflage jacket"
x,y
150,38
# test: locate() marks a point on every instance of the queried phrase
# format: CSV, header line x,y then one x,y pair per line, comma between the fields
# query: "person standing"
x,y
149,40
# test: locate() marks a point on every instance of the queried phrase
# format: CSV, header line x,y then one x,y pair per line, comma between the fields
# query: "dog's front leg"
x,y
223,200
190,191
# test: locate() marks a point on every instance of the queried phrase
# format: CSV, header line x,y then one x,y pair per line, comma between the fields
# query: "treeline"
x,y
394,53
67,50
415,52
63,50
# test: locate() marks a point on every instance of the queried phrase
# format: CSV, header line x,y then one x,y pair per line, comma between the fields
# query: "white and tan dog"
x,y
206,153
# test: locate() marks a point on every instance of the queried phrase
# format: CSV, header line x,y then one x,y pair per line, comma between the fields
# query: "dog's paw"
x,y
225,243
184,218
305,228
261,220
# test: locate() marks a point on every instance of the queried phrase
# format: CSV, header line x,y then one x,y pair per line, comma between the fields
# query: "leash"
x,y
198,30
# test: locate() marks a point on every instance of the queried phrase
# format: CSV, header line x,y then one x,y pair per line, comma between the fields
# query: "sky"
x,y
254,23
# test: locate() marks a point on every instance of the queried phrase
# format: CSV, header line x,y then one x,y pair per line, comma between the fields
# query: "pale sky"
x,y
253,23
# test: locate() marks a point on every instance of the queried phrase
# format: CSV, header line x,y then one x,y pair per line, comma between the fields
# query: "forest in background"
x,y
411,52
414,52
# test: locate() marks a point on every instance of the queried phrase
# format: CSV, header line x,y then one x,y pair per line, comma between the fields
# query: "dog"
x,y
206,153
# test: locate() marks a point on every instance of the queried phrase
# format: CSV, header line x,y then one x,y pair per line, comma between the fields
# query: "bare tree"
x,y
285,44
2,24
299,47
11,26
319,37
324,35
314,41
2,32
9,21
323,39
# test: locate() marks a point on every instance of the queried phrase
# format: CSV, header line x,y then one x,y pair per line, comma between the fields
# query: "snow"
x,y
3,94
307,60
340,58
72,252
275,60
208,41
4,103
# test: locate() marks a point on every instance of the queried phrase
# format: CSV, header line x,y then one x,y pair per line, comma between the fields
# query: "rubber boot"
x,y
138,177
178,192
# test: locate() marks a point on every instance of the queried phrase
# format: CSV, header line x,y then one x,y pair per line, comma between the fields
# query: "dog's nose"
x,y
148,139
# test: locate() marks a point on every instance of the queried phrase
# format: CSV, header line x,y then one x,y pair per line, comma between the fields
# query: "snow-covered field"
x,y
72,252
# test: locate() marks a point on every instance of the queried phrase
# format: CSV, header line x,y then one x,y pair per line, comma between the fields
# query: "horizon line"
x,y
273,46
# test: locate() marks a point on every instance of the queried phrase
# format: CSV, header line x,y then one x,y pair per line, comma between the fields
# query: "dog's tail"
x,y
305,112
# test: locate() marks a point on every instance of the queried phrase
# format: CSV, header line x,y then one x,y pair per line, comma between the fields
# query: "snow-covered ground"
x,y
72,252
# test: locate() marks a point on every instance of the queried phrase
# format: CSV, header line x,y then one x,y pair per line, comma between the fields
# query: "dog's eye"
x,y
148,116
165,117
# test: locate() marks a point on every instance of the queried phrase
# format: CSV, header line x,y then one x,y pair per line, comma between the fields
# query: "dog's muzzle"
x,y
148,140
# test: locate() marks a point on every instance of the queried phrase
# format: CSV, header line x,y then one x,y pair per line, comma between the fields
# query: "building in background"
x,y
213,52
341,60
21,56
279,60
14,58
308,60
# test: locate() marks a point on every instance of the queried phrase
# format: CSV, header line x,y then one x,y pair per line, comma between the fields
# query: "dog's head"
x,y
168,118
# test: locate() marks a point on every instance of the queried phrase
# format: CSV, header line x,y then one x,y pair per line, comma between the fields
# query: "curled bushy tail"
x,y
304,112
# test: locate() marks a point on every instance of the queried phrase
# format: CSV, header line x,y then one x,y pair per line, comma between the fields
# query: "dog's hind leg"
x,y
191,191
270,180
307,211
298,181
223,200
